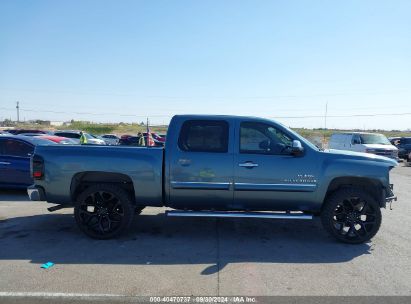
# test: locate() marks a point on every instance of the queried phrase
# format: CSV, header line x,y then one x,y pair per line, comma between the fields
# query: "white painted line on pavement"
x,y
55,294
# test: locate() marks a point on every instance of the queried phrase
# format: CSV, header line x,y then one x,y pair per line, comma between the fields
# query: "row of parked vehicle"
x,y
64,137
73,137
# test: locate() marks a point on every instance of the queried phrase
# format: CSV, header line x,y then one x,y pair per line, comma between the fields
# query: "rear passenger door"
x,y
201,165
15,162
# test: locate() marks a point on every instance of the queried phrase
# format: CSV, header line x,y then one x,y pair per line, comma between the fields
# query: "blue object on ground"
x,y
47,265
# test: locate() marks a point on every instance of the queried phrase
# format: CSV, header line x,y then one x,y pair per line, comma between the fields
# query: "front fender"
x,y
374,173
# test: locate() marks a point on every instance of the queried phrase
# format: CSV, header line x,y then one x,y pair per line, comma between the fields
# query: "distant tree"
x,y
8,122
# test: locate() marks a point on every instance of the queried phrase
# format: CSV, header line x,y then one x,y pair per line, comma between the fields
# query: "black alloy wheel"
x,y
352,215
103,211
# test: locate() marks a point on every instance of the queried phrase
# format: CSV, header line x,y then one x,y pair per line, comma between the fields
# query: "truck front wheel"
x,y
351,215
103,211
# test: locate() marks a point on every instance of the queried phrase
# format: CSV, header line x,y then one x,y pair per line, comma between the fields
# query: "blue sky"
x,y
126,60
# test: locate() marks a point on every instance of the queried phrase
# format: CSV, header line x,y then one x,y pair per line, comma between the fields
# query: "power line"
x,y
344,116
268,97
83,113
159,115
274,109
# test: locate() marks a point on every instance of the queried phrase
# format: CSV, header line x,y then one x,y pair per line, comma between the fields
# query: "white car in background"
x,y
75,135
363,142
111,139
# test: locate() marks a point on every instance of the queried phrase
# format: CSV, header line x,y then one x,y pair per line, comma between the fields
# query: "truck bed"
x,y
65,164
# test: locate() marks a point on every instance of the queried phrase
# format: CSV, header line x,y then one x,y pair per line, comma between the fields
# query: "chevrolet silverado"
x,y
217,166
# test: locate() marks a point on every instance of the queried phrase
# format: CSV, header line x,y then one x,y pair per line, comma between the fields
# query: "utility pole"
x,y
18,111
325,123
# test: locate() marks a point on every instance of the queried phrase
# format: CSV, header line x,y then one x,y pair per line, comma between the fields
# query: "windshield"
x,y
88,136
376,139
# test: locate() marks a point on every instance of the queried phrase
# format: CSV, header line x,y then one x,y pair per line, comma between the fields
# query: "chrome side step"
x,y
276,215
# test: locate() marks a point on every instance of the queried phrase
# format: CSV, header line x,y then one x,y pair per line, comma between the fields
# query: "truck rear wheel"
x,y
103,211
351,215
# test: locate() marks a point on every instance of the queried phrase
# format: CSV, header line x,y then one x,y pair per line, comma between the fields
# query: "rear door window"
x,y
204,136
11,147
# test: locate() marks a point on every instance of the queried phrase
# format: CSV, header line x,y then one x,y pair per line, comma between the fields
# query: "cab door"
x,y
201,165
267,176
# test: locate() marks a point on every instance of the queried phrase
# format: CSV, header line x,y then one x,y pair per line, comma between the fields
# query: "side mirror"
x,y
356,142
297,148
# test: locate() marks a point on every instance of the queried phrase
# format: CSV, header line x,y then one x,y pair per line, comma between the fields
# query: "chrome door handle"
x,y
248,165
184,161
5,163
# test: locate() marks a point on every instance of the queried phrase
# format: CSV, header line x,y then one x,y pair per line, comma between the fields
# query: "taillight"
x,y
37,167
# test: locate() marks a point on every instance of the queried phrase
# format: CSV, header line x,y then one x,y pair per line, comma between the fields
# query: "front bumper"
x,y
36,193
389,195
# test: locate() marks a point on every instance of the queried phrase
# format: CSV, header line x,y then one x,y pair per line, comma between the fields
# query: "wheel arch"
x,y
372,186
81,181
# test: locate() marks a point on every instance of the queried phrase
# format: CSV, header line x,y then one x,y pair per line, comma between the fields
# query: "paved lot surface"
x,y
183,256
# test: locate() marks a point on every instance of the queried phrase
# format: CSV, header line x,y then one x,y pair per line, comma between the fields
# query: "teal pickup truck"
x,y
217,166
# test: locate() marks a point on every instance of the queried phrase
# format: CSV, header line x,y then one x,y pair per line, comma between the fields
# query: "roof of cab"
x,y
227,117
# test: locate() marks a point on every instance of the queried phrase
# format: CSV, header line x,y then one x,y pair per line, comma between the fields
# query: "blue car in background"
x,y
15,153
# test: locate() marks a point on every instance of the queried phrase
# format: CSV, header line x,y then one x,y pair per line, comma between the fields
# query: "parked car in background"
x,y
31,134
54,138
404,147
394,140
15,153
129,140
20,131
157,137
91,140
111,139
59,139
158,141
100,138
363,142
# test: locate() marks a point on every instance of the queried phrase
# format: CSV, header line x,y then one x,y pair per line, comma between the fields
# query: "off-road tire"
x,y
104,211
351,215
